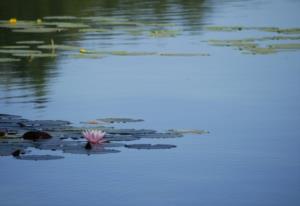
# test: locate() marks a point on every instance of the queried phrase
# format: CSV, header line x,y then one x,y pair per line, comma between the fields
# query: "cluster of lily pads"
x,y
21,137
285,39
54,25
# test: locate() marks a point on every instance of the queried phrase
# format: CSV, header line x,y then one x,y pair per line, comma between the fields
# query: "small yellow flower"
x,y
12,21
82,50
39,21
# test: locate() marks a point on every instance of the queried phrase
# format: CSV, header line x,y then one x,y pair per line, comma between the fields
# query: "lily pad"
x,y
58,47
164,33
39,157
67,25
15,47
150,146
87,56
93,30
173,54
19,51
42,55
6,60
285,46
60,17
38,30
225,28
30,42
119,120
188,131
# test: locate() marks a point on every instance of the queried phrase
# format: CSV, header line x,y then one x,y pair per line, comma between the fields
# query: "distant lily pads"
x,y
38,30
41,55
182,54
15,47
30,42
5,60
67,25
60,17
164,33
39,157
59,47
150,146
19,51
112,120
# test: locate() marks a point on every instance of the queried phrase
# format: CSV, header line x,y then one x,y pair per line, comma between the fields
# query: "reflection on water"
x,y
27,81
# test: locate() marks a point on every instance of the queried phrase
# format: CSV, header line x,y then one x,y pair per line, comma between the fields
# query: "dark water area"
x,y
250,102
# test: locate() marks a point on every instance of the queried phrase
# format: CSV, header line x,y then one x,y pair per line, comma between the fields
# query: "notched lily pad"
x,y
150,146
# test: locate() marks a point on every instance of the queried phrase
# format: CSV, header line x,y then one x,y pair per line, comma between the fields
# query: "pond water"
x,y
157,63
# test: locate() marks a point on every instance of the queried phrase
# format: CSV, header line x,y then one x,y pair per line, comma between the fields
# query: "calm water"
x,y
249,103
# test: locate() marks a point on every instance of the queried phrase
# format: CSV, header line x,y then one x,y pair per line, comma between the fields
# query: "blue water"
x,y
249,103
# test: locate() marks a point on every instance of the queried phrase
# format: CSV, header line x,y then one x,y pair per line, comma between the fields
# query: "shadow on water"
x,y
27,81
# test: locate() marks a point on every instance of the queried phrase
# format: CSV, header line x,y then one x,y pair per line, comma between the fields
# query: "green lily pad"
x,y
15,47
39,157
183,54
188,131
67,25
93,30
59,47
164,33
60,17
4,60
150,146
19,51
30,42
112,120
38,30
87,56
285,46
225,28
41,55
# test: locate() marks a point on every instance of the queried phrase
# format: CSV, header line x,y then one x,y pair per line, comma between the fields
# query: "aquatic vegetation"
x,y
112,120
173,54
93,30
19,51
127,53
66,25
225,28
38,30
60,18
59,135
30,42
164,33
188,131
59,47
40,55
5,60
285,46
87,56
15,47
94,136
39,21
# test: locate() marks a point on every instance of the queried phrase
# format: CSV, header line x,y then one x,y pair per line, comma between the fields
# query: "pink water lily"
x,y
94,136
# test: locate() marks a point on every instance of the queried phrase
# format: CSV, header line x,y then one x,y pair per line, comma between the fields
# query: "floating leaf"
x,y
15,47
19,51
164,33
38,30
39,157
42,55
150,146
225,28
92,30
87,56
183,54
188,131
285,46
119,120
59,47
30,42
67,25
4,60
60,17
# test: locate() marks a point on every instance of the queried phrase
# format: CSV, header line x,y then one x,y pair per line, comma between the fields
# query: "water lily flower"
x,y
12,21
94,136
